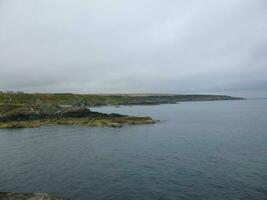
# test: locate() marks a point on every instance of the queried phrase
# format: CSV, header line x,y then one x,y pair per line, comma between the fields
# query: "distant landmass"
x,y
20,110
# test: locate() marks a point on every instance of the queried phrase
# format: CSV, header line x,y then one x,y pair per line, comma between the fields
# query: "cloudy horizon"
x,y
134,46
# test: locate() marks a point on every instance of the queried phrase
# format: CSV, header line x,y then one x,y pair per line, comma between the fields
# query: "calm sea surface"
x,y
199,151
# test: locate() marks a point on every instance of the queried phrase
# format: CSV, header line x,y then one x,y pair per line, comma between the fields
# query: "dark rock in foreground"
x,y
27,196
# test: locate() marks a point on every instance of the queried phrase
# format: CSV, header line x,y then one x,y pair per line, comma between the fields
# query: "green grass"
x,y
98,100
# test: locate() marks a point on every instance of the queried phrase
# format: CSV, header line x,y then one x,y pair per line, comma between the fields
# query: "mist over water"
x,y
199,150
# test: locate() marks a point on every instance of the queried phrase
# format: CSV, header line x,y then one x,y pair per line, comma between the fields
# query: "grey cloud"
x,y
133,46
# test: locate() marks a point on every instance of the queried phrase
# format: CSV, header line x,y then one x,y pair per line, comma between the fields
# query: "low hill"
x,y
102,100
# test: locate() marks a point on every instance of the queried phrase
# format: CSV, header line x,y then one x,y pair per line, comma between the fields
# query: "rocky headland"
x,y
22,110
31,116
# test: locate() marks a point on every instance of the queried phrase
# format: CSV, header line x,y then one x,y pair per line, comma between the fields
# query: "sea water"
x,y
199,150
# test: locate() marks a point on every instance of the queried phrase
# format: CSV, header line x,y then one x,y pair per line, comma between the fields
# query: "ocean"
x,y
213,150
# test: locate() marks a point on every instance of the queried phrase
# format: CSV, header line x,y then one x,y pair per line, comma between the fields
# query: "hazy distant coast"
x,y
90,100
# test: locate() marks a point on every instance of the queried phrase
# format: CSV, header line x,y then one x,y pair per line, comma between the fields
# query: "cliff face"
x,y
27,196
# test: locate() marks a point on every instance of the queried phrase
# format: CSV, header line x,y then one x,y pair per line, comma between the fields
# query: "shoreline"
x,y
22,110
33,116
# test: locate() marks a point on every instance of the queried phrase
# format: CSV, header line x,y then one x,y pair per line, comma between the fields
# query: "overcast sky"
x,y
94,46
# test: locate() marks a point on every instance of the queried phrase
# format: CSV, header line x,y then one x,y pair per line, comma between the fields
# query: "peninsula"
x,y
20,110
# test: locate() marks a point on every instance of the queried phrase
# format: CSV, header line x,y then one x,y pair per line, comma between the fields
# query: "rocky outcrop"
x,y
49,111
28,196
35,116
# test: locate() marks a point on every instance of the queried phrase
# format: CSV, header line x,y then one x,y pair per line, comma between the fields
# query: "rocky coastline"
x,y
32,116
22,110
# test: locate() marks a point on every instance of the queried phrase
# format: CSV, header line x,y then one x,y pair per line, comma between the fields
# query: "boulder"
x,y
27,196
